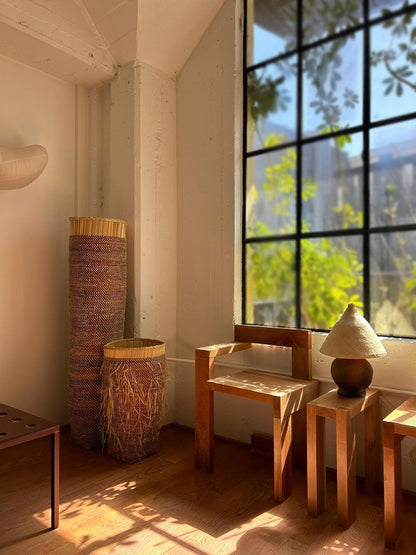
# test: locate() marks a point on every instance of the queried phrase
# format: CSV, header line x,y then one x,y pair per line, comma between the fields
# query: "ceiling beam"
x,y
56,37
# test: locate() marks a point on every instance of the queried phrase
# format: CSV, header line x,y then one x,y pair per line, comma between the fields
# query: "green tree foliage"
x,y
331,273
400,53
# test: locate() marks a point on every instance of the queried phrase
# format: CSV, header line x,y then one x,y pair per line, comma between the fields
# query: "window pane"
x,y
393,174
393,60
332,185
332,85
271,103
271,193
331,277
270,283
377,7
271,29
393,283
327,17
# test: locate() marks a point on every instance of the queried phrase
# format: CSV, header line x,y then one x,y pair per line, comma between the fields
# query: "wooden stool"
x,y
399,423
343,410
287,395
18,427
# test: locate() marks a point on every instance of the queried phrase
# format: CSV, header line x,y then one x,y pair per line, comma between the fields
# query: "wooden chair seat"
x,y
267,387
288,395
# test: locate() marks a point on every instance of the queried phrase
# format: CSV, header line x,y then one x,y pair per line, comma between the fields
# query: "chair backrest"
x,y
299,340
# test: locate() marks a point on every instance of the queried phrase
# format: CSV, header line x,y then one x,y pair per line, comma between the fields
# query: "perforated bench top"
x,y
17,426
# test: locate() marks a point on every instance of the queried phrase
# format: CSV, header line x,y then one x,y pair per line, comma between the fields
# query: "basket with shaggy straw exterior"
x,y
97,302
134,388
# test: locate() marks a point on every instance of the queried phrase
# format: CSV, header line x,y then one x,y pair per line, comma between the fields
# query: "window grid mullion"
x,y
366,162
244,183
299,126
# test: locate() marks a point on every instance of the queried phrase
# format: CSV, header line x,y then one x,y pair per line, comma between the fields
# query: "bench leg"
x,y
55,480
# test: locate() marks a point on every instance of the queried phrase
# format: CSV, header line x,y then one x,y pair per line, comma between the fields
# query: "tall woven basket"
x,y
134,388
97,303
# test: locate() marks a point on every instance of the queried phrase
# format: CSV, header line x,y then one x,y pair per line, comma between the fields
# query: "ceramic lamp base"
x,y
352,376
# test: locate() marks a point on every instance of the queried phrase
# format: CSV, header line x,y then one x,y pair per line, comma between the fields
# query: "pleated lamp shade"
x,y
352,337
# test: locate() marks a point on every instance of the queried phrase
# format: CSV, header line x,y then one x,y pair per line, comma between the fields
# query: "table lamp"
x,y
351,341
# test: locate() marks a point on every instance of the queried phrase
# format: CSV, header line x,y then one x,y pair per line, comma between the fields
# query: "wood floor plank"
x,y
162,505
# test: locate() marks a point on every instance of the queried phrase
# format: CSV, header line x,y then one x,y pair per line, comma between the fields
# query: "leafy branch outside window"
x,y
403,40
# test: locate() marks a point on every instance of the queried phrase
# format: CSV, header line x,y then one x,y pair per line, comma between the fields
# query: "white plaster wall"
x,y
121,168
167,32
138,185
208,90
156,217
208,96
36,108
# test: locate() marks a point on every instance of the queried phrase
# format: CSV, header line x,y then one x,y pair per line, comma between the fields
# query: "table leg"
x,y
370,423
346,468
55,480
204,414
282,455
392,461
316,468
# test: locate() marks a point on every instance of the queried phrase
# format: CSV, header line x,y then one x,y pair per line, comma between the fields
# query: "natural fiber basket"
x,y
134,387
97,301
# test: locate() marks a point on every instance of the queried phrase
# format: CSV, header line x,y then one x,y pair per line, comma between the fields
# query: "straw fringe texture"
x,y
134,391
97,300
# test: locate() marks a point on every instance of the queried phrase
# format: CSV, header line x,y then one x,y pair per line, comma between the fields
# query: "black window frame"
x,y
366,231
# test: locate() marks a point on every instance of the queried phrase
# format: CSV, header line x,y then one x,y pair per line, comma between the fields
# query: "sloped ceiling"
x,y
169,30
116,21
83,41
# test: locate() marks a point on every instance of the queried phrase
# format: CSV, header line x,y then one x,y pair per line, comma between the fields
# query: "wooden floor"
x,y
163,506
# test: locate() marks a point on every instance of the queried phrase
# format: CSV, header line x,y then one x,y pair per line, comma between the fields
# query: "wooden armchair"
x,y
288,395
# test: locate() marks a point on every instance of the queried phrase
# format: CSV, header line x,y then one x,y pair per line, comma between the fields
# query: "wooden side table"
x,y
17,427
343,410
399,423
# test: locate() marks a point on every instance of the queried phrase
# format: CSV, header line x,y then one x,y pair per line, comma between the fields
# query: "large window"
x,y
330,163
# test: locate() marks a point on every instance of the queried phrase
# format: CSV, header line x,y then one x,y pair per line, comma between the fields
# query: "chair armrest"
x,y
205,359
212,351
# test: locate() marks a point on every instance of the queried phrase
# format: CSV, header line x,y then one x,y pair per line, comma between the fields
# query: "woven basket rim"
x,y
94,219
137,347
106,227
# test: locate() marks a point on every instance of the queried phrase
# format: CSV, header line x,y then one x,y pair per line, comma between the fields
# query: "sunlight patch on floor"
x,y
341,547
106,523
139,526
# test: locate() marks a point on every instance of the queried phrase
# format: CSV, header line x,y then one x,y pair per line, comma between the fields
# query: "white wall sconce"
x,y
21,166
